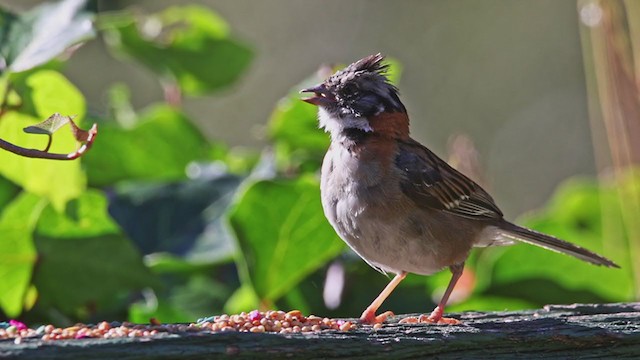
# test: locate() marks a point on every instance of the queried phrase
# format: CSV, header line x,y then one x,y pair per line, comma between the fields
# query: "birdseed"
x,y
255,321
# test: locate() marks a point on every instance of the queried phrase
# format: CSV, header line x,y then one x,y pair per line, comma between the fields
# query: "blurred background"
x,y
200,194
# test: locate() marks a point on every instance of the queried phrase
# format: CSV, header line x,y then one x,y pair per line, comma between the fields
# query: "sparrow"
x,y
399,206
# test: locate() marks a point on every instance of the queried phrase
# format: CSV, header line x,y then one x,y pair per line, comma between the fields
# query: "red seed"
x,y
255,315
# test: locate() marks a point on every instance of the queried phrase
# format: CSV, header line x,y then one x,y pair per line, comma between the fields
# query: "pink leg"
x,y
436,314
369,315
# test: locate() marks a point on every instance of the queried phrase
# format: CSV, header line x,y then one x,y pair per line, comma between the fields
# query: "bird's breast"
x,y
364,203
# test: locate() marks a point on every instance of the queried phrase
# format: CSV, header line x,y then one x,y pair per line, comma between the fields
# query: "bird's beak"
x,y
322,95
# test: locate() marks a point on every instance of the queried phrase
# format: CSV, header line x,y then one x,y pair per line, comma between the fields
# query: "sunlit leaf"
x,y
282,233
85,260
48,126
158,147
192,41
243,299
59,181
17,251
83,217
39,35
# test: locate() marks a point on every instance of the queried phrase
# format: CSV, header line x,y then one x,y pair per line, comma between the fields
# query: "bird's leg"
x,y
436,314
369,315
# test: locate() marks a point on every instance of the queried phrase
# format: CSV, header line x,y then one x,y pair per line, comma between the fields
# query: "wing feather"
x,y
431,183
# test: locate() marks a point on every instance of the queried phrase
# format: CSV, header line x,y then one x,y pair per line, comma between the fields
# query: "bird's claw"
x,y
369,317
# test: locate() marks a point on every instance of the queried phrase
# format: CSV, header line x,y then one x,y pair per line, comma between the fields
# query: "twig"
x,y
39,154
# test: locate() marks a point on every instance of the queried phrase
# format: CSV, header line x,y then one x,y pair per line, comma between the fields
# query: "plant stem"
x,y
39,154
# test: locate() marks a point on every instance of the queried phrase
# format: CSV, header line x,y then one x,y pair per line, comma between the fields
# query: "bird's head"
x,y
355,94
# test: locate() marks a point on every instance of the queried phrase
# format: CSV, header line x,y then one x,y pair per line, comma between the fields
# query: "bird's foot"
x,y
369,317
434,318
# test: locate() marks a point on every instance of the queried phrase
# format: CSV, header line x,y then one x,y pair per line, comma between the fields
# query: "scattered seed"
x,y
258,329
346,326
255,321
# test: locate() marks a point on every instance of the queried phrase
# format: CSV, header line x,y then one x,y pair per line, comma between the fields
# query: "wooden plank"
x,y
556,331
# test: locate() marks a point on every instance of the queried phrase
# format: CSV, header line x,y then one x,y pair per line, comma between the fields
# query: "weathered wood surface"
x,y
557,331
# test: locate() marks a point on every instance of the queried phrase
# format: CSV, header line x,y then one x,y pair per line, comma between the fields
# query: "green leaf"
x,y
183,218
59,181
167,263
163,311
8,191
198,296
158,147
85,259
39,35
48,126
283,234
575,214
17,252
83,217
189,45
243,299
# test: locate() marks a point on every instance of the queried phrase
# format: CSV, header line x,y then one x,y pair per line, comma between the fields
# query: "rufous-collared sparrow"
x,y
393,201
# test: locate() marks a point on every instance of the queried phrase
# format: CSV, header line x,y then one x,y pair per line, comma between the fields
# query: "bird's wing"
x,y
431,183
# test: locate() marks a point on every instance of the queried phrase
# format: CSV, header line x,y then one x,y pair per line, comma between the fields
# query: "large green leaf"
x,y
59,181
17,252
282,233
83,217
575,214
189,45
159,147
84,259
39,35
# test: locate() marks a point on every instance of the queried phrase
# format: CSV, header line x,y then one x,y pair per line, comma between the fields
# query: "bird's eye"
x,y
349,89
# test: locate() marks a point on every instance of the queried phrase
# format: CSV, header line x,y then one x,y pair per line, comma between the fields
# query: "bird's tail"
x,y
516,232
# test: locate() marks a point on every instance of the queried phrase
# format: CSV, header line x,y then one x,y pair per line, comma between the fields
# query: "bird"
x,y
398,205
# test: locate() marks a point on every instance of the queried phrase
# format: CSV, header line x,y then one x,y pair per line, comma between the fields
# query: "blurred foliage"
x,y
284,239
192,41
155,128
158,221
37,36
